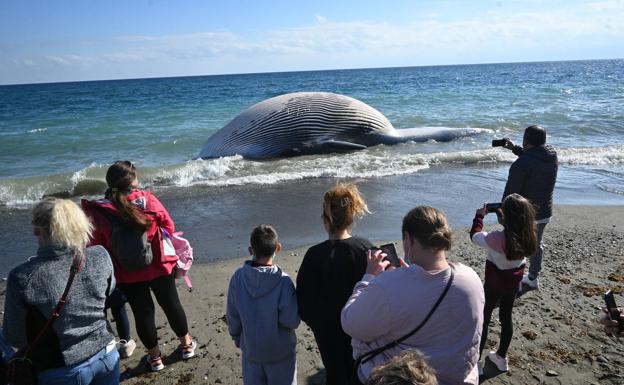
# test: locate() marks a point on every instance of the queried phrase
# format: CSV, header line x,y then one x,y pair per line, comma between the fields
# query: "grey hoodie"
x,y
262,313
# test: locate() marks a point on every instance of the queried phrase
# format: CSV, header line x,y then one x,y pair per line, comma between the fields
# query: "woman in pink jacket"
x,y
140,210
387,306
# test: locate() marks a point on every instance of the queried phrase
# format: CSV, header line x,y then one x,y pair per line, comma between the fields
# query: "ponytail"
x,y
341,205
429,226
120,177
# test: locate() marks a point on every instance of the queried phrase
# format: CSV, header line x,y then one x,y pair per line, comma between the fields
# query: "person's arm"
x,y
111,278
515,180
164,219
366,315
517,150
477,222
307,289
235,327
288,313
97,236
14,323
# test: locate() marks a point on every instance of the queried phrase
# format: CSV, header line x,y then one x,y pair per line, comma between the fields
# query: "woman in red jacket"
x,y
142,211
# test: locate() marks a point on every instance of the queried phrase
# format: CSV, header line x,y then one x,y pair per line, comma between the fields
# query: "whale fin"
x,y
439,134
340,145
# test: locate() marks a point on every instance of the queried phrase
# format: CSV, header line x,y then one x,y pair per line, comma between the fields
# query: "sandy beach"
x,y
557,339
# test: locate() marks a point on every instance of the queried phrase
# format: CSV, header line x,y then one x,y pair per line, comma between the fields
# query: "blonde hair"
x,y
429,226
408,368
64,222
342,204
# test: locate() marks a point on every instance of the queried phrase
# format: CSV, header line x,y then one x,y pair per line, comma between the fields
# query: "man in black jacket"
x,y
533,176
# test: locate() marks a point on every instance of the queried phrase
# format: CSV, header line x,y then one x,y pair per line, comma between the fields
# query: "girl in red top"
x,y
143,211
504,266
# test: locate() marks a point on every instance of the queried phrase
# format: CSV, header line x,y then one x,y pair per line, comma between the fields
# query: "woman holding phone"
x,y
432,305
504,266
326,278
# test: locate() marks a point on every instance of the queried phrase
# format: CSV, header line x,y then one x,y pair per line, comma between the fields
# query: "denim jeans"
x,y
535,265
101,369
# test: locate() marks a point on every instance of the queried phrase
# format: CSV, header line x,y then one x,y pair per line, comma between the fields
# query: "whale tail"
x,y
439,134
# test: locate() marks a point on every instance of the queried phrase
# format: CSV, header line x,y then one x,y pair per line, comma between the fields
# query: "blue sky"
x,y
64,40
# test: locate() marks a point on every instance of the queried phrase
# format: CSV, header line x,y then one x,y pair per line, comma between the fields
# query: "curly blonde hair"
x,y
342,204
408,368
63,222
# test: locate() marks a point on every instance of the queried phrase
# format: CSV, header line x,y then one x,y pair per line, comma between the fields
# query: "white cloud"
x,y
614,5
321,19
498,36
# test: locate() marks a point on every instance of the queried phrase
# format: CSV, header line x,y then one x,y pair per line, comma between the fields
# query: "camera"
x,y
391,254
493,207
499,142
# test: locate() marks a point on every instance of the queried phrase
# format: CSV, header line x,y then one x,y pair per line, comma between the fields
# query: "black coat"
x,y
533,176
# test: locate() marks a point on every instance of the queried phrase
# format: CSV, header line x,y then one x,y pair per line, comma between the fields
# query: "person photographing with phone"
x,y
433,305
504,266
533,175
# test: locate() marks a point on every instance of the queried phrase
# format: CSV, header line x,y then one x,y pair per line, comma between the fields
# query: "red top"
x,y
151,207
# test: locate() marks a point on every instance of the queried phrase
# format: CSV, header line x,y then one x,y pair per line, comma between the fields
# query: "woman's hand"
x,y
482,211
401,261
375,264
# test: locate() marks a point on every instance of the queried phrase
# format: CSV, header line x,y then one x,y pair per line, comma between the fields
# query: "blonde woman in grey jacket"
x,y
78,348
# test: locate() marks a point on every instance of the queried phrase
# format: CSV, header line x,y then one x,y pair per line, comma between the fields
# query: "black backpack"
x,y
129,245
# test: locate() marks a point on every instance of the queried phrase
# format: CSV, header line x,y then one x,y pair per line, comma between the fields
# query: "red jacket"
x,y
159,217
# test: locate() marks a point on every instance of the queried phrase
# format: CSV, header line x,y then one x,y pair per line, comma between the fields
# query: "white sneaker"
x,y
501,363
188,351
126,348
155,364
532,283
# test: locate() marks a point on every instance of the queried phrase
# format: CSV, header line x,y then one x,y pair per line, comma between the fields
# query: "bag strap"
x,y
56,312
367,356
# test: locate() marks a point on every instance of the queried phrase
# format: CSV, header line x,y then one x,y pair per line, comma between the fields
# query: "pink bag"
x,y
174,244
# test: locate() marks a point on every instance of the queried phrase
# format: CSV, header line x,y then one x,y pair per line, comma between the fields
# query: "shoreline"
x,y
557,339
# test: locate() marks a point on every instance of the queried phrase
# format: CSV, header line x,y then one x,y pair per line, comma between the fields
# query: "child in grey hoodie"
x,y
262,314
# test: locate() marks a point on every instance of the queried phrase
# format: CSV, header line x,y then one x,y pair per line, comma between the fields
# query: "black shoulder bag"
x,y
368,356
20,369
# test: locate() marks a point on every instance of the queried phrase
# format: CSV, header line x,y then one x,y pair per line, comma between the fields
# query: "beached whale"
x,y
303,123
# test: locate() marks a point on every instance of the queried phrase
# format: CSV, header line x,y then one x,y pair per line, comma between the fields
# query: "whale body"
x,y
303,123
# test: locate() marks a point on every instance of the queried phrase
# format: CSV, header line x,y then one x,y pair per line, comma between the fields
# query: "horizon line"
x,y
301,71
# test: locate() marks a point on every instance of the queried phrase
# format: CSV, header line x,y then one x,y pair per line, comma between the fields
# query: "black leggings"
x,y
140,300
336,353
507,298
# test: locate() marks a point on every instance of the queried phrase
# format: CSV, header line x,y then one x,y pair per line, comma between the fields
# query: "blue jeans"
x,y
535,265
101,369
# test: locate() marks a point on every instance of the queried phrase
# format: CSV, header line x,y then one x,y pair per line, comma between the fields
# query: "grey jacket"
x,y
262,313
37,285
533,176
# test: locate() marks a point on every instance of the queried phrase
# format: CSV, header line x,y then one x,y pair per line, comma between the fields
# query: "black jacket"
x,y
533,176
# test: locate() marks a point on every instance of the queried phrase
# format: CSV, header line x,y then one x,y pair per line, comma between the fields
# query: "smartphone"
x,y
493,207
499,142
612,309
391,254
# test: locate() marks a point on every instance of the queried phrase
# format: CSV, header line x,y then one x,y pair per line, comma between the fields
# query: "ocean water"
x,y
60,138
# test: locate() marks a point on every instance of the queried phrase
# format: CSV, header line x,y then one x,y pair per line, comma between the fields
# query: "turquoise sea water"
x,y
59,138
